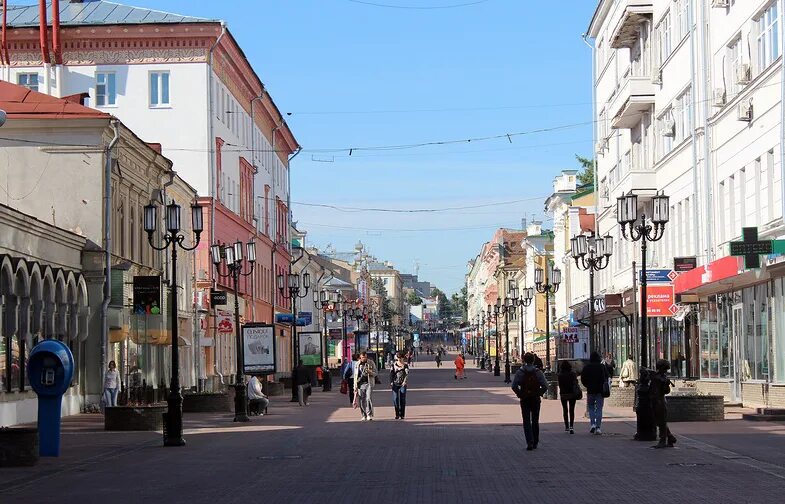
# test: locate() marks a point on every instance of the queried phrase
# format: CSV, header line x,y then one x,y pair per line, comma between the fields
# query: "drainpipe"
x,y
693,134
42,31
212,178
708,204
56,45
253,192
4,47
107,244
275,221
782,117
594,130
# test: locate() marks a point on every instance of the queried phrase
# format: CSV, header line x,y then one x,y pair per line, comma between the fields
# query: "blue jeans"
x,y
594,403
110,397
399,400
530,411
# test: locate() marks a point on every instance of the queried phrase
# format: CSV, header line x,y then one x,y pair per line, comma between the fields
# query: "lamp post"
x,y
548,286
524,302
644,231
591,254
232,255
321,300
172,238
482,331
506,308
290,287
496,310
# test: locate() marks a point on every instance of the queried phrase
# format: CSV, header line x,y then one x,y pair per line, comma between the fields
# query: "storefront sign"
x,y
224,321
658,275
660,301
217,298
147,295
259,348
727,267
681,264
574,334
335,333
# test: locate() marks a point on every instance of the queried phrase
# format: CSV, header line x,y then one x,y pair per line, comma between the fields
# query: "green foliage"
x,y
586,176
413,299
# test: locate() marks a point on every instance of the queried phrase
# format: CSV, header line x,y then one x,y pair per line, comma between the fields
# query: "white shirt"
x,y
255,389
111,379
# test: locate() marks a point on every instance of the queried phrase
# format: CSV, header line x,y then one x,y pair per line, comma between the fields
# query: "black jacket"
x,y
302,376
594,374
567,383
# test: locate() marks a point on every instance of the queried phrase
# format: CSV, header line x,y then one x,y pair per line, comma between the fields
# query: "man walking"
x,y
303,382
363,379
257,401
660,387
529,385
595,378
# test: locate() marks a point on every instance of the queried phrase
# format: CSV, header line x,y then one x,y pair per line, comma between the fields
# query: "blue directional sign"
x,y
284,318
658,275
307,316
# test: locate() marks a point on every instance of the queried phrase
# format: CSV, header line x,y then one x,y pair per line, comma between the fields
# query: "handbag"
x,y
355,402
606,389
577,392
344,387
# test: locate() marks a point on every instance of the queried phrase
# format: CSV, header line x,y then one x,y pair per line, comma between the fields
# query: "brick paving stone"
x,y
461,442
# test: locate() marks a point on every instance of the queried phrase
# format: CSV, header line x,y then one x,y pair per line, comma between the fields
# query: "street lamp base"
x,y
482,364
240,404
173,419
507,373
496,370
174,441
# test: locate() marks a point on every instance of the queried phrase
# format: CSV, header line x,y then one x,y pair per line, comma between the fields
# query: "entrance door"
x,y
735,350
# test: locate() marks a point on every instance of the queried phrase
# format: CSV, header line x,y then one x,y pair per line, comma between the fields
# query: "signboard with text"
x,y
660,301
258,348
681,264
658,275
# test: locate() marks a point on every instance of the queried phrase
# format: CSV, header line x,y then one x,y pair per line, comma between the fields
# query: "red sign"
x,y
660,301
727,267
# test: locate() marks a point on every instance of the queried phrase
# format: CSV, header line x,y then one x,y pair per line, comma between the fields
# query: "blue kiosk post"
x,y
51,366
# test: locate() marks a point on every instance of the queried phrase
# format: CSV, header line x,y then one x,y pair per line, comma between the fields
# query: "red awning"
x,y
690,282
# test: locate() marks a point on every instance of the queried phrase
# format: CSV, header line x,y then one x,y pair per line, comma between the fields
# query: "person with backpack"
x,y
399,375
595,378
660,387
529,385
569,393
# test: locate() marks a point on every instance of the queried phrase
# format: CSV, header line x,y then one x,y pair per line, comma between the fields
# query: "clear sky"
x,y
359,75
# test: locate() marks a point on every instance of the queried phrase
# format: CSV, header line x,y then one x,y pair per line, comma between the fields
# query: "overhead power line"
x,y
415,210
418,7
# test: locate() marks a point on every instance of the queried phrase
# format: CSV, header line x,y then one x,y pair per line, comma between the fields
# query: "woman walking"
x,y
569,393
399,375
111,385
460,364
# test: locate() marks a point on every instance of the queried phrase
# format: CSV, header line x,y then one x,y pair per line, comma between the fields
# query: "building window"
x,y
159,89
684,116
105,89
664,30
682,19
28,80
734,60
767,27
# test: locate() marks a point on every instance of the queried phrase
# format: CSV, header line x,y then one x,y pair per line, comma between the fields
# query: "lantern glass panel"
x,y
197,218
229,255
538,275
608,244
250,249
238,251
173,217
556,276
150,218
280,282
215,253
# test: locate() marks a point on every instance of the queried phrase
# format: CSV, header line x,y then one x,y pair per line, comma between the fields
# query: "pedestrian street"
x,y
461,441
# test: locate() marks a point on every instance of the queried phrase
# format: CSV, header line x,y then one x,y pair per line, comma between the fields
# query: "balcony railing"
x,y
634,13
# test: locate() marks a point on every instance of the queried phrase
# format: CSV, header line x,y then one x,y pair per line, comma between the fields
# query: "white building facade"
x,y
689,101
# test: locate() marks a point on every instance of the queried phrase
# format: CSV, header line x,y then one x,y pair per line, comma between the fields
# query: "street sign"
x,y
284,318
681,264
306,316
750,247
660,301
658,275
217,298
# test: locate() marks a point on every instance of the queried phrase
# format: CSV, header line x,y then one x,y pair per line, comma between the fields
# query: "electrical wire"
x,y
422,7
415,210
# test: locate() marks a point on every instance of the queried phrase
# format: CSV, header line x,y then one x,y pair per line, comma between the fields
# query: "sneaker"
x,y
397,417
593,428
566,429
364,418
572,431
370,418
529,447
598,431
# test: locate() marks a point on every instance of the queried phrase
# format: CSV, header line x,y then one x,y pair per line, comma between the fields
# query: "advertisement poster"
x,y
147,295
310,348
258,348
660,301
332,348
224,321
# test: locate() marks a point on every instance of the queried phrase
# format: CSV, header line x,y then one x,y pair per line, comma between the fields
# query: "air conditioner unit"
x,y
718,98
745,111
668,127
720,3
602,144
742,73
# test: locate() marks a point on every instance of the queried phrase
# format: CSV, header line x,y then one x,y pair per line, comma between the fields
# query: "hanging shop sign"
x,y
660,301
147,295
224,321
750,247
218,298
681,264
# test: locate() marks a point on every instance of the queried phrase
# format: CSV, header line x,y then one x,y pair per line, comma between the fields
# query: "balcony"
x,y
635,97
634,13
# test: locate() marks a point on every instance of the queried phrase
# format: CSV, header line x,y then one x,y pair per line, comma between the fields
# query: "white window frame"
x,y
109,99
734,60
768,33
27,76
159,95
664,37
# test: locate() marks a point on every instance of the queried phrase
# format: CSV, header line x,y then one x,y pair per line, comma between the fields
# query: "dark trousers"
x,y
351,391
569,419
530,411
399,400
661,421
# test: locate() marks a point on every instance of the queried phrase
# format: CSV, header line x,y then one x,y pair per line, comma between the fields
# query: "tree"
x,y
586,176
413,299
460,304
377,284
444,308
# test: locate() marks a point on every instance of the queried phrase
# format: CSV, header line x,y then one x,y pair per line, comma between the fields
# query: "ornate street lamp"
x,y
482,340
497,308
172,238
507,308
232,256
548,285
591,254
293,287
643,230
524,301
321,300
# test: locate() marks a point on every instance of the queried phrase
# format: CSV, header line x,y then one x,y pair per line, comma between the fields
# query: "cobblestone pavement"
x,y
461,442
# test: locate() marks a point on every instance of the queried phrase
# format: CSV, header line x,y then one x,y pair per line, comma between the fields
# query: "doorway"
x,y
736,351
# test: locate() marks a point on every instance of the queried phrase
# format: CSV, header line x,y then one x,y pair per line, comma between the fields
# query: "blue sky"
x,y
356,75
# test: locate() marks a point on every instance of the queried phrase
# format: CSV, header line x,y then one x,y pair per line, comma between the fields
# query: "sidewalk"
x,y
461,442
